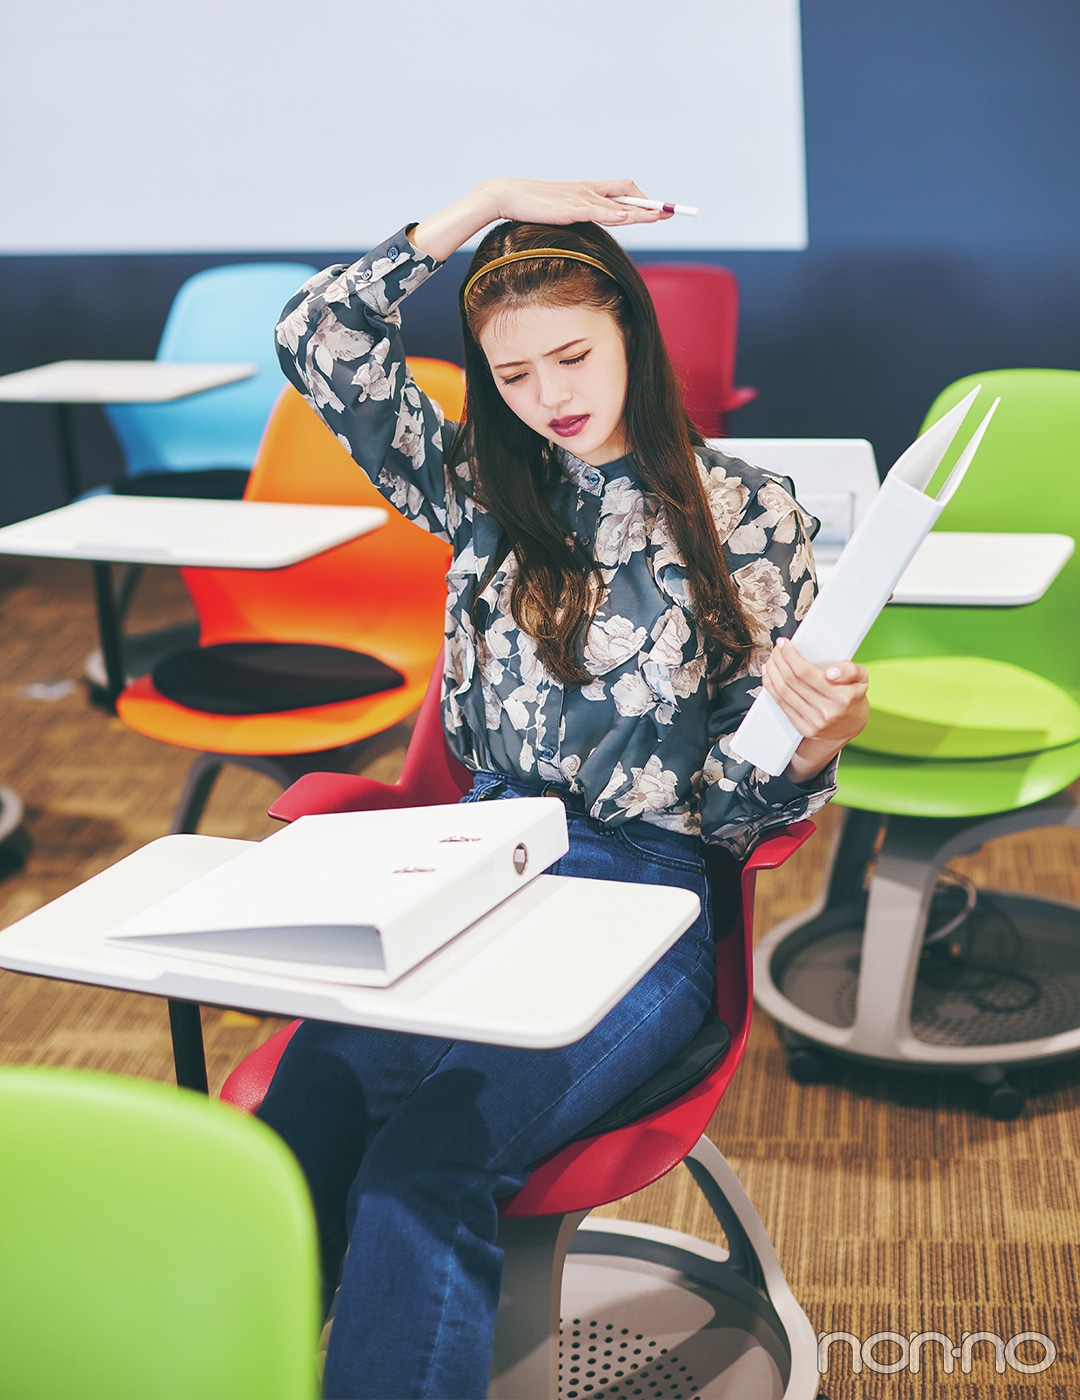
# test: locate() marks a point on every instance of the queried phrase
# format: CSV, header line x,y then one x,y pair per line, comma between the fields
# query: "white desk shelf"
x,y
117,381
540,970
186,531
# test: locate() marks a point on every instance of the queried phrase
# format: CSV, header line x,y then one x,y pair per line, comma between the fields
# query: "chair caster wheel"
x,y
805,1065
1004,1102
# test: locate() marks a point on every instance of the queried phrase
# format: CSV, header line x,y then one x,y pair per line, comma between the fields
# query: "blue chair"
x,y
205,445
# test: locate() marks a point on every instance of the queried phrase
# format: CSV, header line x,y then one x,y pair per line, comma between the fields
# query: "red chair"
x,y
638,1288
697,305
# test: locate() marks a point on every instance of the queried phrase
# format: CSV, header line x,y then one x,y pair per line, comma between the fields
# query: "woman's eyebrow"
x,y
510,364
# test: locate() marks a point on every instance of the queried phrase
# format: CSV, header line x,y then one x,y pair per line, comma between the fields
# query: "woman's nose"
x,y
554,391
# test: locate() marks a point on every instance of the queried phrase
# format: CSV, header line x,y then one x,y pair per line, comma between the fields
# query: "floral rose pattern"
x,y
649,737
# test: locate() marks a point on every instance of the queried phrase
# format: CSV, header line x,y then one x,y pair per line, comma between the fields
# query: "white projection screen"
x,y
259,125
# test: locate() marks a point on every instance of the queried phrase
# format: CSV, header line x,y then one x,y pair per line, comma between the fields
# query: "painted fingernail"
x,y
833,673
781,641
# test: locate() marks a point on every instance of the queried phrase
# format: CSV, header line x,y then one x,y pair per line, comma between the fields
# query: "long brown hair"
x,y
557,588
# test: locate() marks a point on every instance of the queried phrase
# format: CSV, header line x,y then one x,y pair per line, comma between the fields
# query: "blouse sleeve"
x,y
339,343
772,564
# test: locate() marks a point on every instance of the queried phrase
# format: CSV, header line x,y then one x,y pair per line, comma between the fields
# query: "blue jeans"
x,y
409,1141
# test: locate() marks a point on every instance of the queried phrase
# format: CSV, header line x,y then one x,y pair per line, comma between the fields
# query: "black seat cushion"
x,y
259,678
207,483
688,1068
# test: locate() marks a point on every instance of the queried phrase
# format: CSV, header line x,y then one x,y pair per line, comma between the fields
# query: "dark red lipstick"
x,y
568,427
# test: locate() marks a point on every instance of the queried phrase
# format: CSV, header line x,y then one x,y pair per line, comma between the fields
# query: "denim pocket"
x,y
654,843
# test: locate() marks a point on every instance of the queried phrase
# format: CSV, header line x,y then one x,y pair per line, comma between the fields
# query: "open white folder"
x,y
864,576
356,897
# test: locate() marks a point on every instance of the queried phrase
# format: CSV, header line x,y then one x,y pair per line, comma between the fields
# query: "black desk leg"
x,y
109,631
67,450
189,1057
860,837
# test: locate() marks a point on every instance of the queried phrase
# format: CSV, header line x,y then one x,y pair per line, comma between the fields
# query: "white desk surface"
x,y
961,569
539,971
184,531
117,381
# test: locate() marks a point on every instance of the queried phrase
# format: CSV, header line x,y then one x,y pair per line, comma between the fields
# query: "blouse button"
x,y
392,251
545,753
593,479
365,276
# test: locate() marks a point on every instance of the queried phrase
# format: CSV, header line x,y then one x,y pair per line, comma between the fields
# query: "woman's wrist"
x,y
444,233
811,757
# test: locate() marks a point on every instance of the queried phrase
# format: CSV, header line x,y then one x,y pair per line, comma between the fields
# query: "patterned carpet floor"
x,y
894,1203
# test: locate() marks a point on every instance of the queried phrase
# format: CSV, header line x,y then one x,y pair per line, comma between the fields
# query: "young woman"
x,y
618,595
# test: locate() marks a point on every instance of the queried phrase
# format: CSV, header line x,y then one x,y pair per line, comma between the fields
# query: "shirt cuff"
x,y
782,792
395,264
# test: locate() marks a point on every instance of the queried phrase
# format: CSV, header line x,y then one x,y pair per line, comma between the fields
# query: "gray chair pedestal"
x,y
646,1309
859,979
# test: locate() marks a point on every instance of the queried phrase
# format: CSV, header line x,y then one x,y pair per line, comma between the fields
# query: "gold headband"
x,y
533,253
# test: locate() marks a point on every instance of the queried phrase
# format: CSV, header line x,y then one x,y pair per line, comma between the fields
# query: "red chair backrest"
x,y
697,305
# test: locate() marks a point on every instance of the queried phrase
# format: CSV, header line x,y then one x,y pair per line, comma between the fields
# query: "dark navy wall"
x,y
942,140
944,201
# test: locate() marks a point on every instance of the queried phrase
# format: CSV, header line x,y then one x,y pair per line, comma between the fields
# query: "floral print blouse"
x,y
649,736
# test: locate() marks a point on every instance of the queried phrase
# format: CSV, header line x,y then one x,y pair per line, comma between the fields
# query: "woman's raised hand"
x,y
826,704
571,202
530,201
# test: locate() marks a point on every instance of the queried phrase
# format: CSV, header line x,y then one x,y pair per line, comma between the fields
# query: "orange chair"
x,y
664,1306
382,595
697,305
442,381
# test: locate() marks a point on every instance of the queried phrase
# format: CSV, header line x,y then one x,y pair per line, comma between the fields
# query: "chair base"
x,y
646,1310
857,978
667,1315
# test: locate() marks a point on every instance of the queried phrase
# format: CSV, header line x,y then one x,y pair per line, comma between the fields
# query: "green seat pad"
x,y
948,707
953,788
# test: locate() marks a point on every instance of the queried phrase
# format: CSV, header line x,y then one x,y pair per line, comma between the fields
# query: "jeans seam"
x,y
444,1297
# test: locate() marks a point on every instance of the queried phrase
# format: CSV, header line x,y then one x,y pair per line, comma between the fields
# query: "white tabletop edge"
x,y
539,971
185,531
118,381
936,576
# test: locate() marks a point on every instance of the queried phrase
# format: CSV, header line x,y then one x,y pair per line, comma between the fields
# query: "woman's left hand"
x,y
826,704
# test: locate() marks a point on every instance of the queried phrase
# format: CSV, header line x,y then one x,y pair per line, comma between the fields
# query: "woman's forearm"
x,y
445,232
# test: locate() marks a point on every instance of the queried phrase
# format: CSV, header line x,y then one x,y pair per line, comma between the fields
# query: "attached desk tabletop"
x,y
185,531
180,531
978,570
117,381
65,383
539,971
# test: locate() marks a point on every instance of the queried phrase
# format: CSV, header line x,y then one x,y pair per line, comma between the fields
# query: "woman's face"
x,y
562,370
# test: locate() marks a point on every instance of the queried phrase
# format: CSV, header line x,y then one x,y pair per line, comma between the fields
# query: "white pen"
x,y
656,204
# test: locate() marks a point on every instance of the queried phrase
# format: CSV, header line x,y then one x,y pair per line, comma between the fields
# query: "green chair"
x,y
153,1246
974,733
